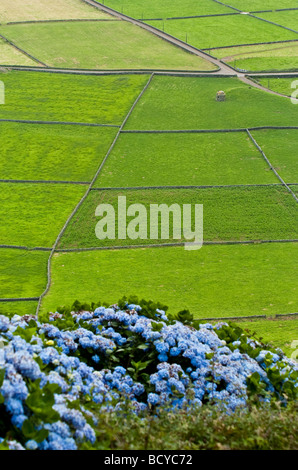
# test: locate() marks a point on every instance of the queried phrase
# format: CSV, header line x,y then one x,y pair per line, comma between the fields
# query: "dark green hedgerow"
x,y
258,428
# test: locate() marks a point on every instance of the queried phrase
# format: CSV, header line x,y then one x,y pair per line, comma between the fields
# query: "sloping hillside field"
x,y
243,199
148,226
71,142
148,151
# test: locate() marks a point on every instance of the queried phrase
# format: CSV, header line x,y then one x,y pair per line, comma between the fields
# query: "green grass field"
x,y
33,214
280,333
214,281
11,56
18,308
280,147
229,214
289,19
52,152
254,5
184,159
70,98
40,210
190,103
82,45
222,31
265,57
22,273
281,85
166,9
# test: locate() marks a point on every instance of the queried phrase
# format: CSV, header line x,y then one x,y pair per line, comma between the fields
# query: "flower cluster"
x,y
112,355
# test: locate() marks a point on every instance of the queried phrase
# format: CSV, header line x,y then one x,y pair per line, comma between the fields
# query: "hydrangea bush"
x,y
57,372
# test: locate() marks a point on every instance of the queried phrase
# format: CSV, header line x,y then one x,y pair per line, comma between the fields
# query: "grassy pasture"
x,y
281,85
214,281
190,103
18,308
229,214
280,333
184,159
52,152
22,273
280,147
36,10
289,19
222,31
254,5
82,45
33,214
279,56
70,98
166,9
11,56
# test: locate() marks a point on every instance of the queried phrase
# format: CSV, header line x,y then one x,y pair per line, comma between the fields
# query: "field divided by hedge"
x,y
196,23
11,56
166,9
82,45
179,8
41,210
288,19
280,146
230,30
